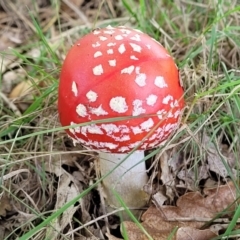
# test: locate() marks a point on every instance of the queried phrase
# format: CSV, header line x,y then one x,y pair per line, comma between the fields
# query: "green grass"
x,y
203,38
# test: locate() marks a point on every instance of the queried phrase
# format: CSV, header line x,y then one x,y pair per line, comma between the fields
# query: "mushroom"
x,y
125,75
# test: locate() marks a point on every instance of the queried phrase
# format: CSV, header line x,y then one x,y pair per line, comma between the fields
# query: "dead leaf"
x,y
135,233
187,233
220,197
166,176
22,89
65,192
4,205
192,210
159,199
215,161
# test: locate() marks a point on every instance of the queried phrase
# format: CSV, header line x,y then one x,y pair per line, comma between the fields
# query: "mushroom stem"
x,y
127,179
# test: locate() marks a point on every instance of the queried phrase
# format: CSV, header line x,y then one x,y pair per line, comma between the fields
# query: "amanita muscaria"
x,y
120,72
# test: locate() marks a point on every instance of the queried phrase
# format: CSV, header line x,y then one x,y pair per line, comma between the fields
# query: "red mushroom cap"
x,y
119,72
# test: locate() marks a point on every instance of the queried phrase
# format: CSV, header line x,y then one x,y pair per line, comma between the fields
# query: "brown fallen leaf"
x,y
187,233
22,89
135,233
214,159
183,233
4,205
166,176
192,210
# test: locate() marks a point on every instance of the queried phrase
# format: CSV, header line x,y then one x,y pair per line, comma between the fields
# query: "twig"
x,y
78,12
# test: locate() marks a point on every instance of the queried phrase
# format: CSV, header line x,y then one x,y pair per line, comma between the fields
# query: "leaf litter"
x,y
192,211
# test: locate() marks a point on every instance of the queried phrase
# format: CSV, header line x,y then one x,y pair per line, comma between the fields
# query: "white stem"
x,y
127,179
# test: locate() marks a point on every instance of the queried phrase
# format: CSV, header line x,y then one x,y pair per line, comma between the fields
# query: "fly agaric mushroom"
x,y
120,72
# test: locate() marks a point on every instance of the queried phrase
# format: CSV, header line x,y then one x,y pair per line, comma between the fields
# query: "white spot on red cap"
x,y
133,57
84,130
136,130
135,47
125,31
167,99
119,37
74,89
144,146
99,111
110,128
177,113
109,32
110,27
112,62
151,99
124,129
98,70
136,37
137,70
118,104
141,79
169,127
127,70
122,138
133,145
77,129
147,125
161,114
174,104
102,38
160,82
160,133
121,48
153,137
170,114
97,44
137,107
71,130
110,145
92,96
81,110
96,32
104,145
110,51
123,149
94,129
111,44
148,46
97,54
